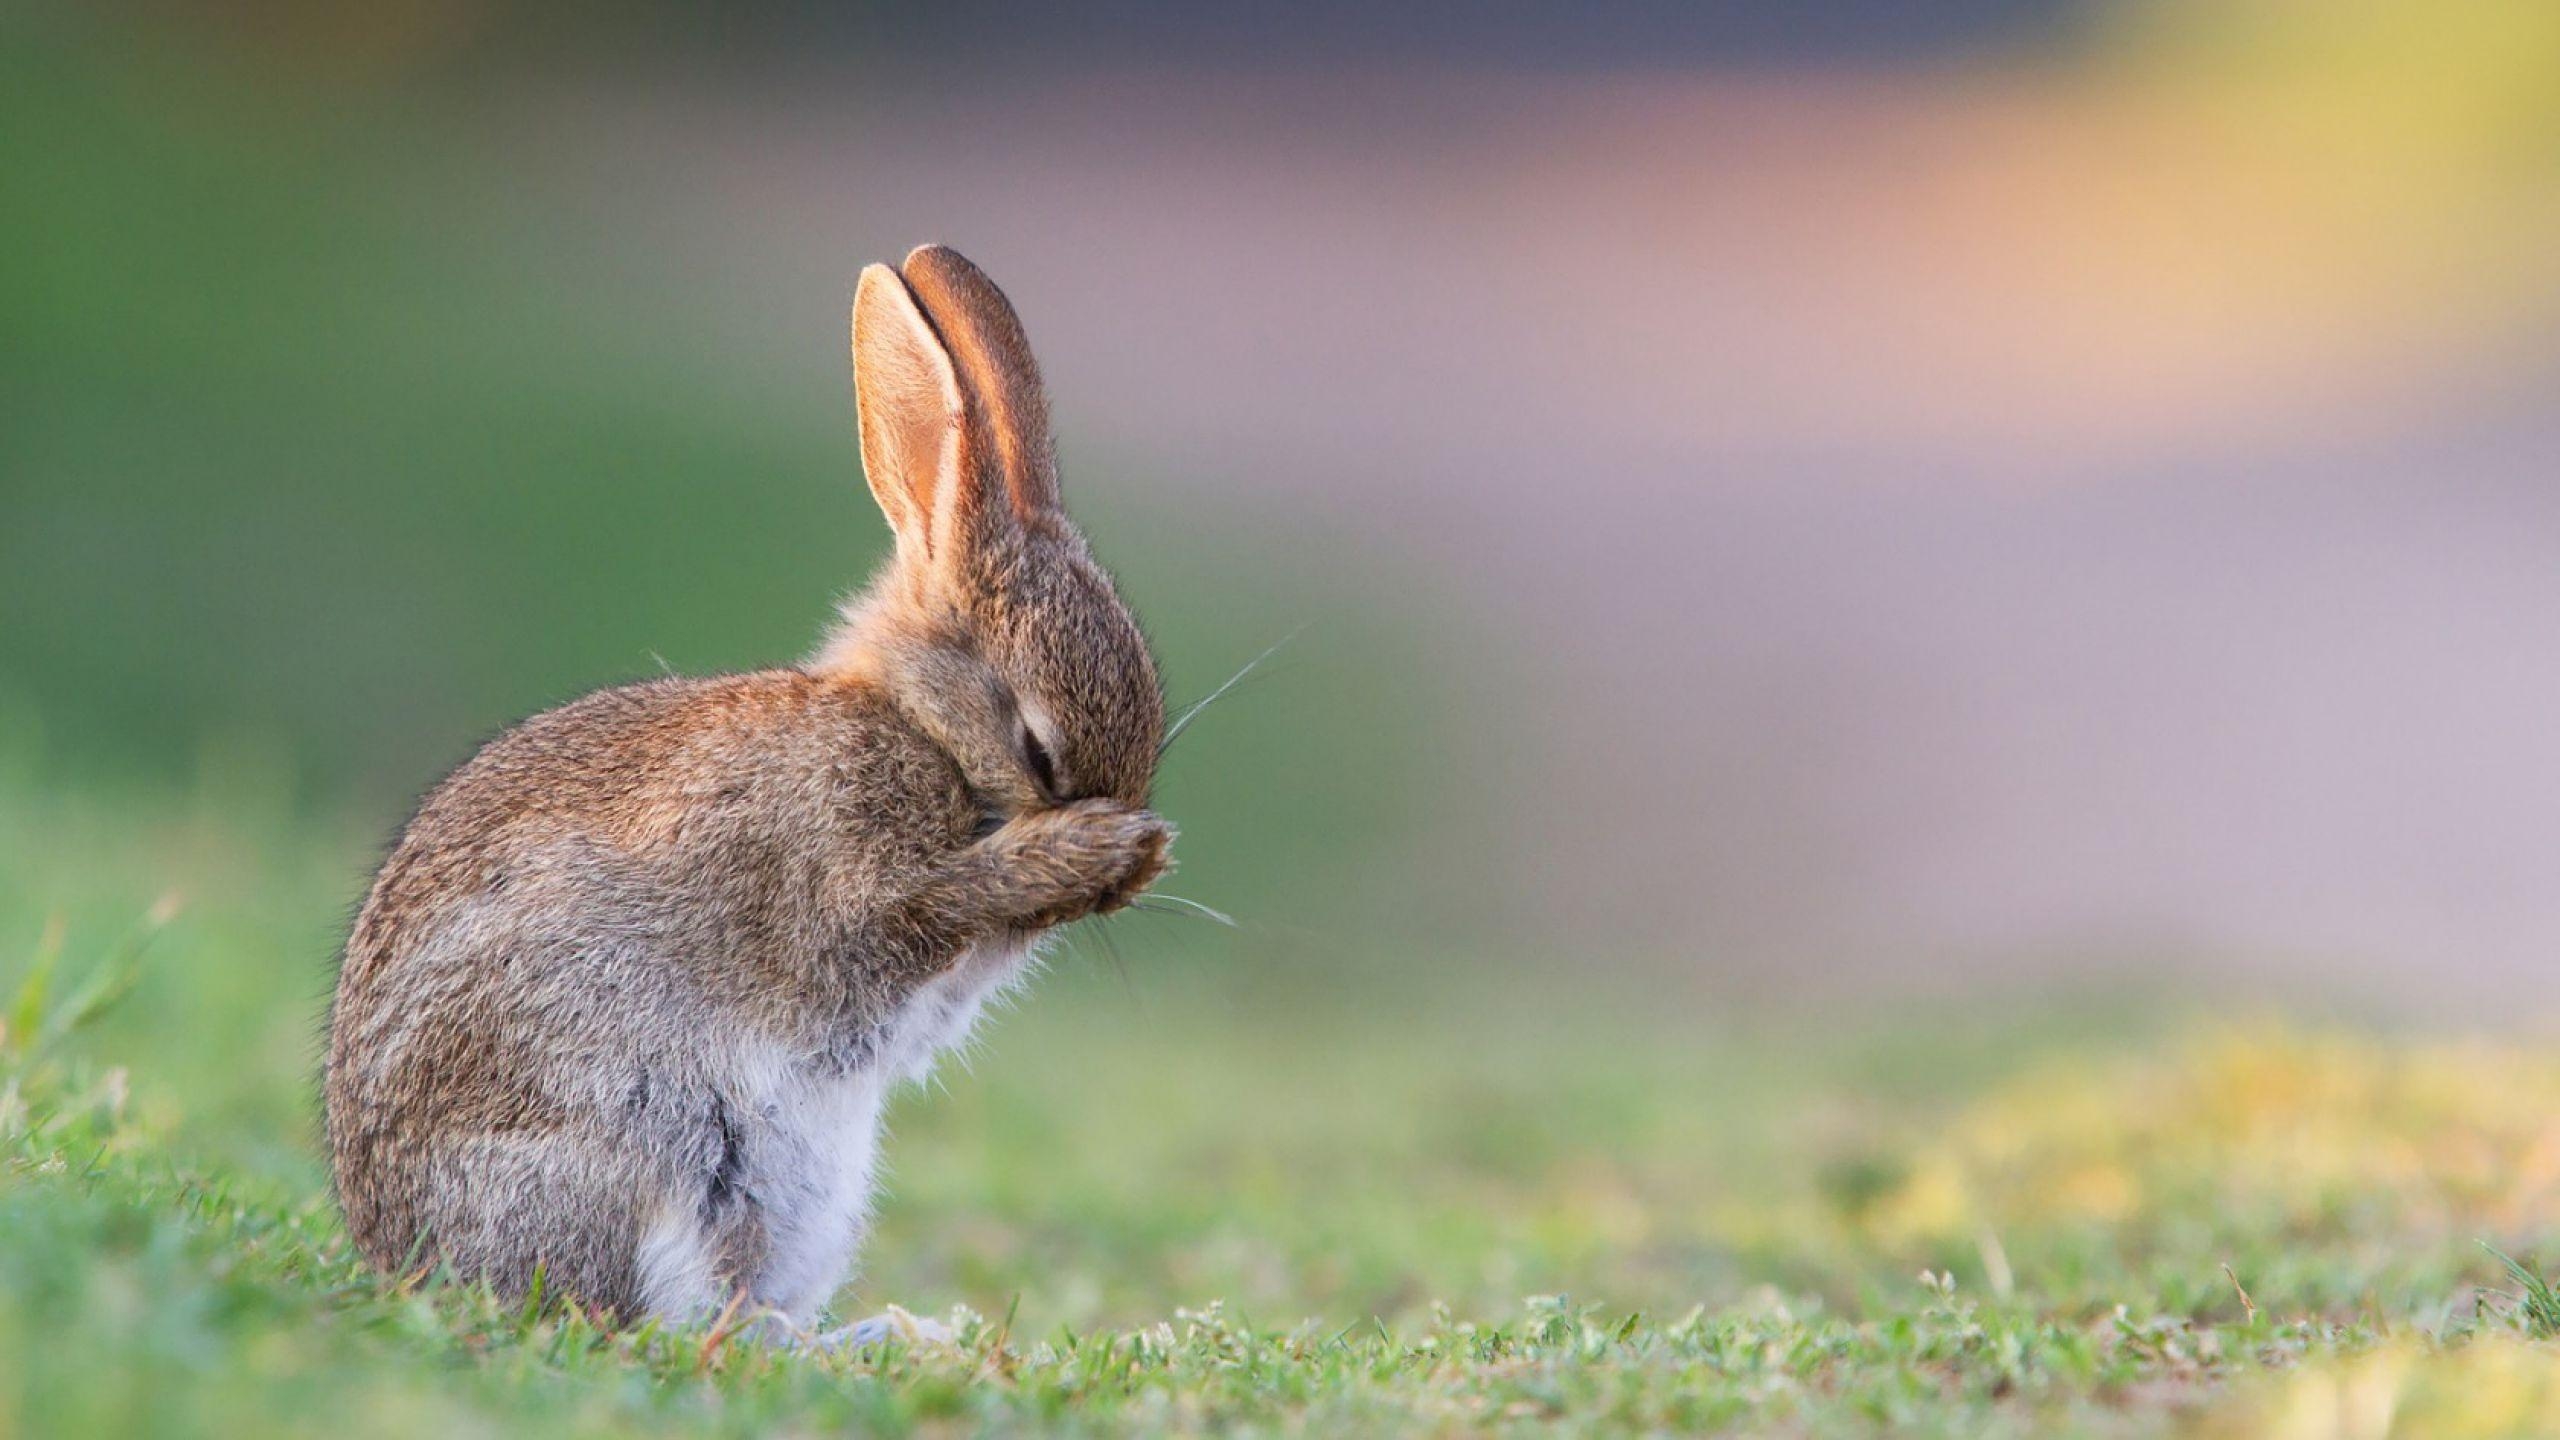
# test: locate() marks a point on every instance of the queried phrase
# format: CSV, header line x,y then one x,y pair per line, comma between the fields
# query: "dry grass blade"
x,y
721,1329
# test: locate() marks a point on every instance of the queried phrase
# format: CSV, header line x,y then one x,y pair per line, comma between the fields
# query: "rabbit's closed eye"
x,y
1036,755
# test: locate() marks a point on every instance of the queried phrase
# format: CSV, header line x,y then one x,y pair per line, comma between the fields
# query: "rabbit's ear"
x,y
985,341
913,414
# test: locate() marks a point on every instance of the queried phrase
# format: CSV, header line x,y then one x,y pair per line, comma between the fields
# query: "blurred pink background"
x,y
1923,516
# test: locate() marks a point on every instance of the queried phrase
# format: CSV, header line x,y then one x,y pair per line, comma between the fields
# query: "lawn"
x,y
1186,1187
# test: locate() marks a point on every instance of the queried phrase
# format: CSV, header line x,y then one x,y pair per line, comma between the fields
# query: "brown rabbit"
x,y
625,1001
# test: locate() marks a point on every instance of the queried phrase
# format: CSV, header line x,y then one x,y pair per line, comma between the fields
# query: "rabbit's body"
x,y
627,999
727,840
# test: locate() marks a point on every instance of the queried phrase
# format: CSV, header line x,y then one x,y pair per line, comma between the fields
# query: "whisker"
x,y
1183,721
1072,937
1187,907
1101,930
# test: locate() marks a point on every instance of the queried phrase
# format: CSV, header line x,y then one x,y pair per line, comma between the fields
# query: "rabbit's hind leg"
x,y
510,1205
705,1236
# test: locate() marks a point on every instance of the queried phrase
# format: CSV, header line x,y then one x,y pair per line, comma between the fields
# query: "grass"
x,y
1221,1193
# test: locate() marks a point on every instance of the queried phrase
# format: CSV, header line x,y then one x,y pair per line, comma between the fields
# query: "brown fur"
x,y
583,923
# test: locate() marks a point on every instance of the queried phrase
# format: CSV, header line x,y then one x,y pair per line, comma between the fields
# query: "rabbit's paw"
x,y
1146,855
890,1324
1092,856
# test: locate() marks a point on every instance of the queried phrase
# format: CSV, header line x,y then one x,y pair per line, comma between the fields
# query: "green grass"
x,y
1207,1190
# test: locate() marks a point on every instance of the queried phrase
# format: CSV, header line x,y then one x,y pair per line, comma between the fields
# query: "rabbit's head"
x,y
992,625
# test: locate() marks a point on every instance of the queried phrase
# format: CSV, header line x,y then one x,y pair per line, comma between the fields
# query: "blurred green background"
x,y
337,441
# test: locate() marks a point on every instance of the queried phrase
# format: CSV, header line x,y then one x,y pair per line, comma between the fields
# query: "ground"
x,y
1369,1198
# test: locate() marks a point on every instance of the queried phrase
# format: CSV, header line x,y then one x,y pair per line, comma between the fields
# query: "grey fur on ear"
x,y
986,343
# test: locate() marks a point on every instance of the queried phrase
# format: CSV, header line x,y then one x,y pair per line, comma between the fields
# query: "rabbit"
x,y
625,1000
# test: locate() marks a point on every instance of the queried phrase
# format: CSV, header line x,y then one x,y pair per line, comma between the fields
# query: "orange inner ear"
x,y
911,408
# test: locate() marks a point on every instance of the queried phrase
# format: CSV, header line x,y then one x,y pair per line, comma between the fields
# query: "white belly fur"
x,y
813,1149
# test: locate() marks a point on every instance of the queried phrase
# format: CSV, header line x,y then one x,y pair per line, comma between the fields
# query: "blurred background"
x,y
1774,502
1848,563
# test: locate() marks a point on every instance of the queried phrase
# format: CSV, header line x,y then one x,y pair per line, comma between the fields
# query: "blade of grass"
x,y
2540,1303
26,1013
109,982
